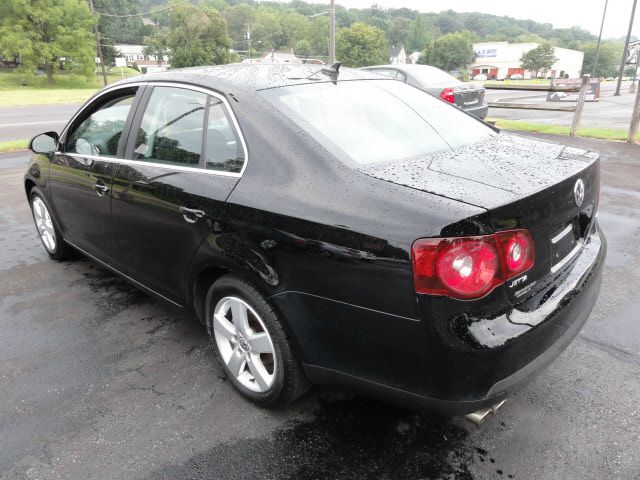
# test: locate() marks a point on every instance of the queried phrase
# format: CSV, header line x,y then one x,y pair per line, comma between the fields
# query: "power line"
x,y
143,13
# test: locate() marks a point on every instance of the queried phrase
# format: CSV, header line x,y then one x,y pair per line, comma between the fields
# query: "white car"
x,y
480,77
517,76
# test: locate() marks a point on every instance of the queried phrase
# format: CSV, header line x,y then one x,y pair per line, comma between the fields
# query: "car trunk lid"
x,y
523,183
468,95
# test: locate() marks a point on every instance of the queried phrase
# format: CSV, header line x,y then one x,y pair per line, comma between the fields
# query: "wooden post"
x,y
635,119
579,106
98,43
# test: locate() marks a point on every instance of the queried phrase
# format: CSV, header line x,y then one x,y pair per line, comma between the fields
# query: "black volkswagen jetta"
x,y
329,227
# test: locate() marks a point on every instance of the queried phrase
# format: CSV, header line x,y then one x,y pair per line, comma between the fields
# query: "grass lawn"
x,y
604,133
13,146
67,88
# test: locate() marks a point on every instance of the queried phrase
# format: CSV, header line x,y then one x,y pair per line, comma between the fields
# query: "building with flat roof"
x,y
499,60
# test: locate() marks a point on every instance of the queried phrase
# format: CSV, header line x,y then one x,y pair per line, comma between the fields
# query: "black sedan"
x,y
467,96
329,227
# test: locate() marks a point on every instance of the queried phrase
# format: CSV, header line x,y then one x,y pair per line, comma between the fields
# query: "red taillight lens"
x,y
516,247
447,95
470,267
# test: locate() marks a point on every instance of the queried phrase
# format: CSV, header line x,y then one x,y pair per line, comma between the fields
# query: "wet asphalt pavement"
x,y
100,381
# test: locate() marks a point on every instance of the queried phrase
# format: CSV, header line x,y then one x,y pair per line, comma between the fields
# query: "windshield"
x,y
371,121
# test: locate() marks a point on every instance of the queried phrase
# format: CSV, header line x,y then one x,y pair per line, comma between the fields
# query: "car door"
x,y
81,174
182,163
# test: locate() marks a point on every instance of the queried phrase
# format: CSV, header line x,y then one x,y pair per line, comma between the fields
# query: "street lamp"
x,y
332,30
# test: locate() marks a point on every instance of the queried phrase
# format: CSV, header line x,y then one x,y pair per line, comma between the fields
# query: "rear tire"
x,y
48,232
251,344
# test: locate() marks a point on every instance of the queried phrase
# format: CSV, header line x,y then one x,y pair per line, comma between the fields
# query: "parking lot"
x,y
100,381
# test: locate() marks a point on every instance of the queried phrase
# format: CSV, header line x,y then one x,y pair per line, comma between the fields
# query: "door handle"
x,y
100,189
191,215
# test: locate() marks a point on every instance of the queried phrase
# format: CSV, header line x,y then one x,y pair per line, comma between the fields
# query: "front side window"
x,y
171,131
100,133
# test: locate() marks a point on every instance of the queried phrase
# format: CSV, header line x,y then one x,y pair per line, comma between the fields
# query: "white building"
x,y
397,55
498,60
135,54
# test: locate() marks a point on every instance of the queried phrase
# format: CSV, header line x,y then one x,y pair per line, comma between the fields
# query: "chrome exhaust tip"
x,y
478,417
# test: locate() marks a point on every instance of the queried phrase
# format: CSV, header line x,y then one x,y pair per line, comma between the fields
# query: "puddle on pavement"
x,y
353,438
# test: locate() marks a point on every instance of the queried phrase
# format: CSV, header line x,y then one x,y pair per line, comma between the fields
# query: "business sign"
x,y
121,62
633,52
593,90
97,60
486,52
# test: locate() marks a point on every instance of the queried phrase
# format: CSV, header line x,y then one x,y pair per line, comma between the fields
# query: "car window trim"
x,y
98,100
140,108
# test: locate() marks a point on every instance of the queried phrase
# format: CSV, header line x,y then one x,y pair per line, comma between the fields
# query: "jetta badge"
x,y
578,192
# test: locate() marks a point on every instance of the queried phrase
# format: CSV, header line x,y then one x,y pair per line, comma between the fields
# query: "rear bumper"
x,y
442,364
480,112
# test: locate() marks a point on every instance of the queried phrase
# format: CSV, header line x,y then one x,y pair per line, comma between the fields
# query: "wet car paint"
x,y
317,226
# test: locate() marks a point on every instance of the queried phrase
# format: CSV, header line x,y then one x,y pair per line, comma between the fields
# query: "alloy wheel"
x,y
244,344
44,224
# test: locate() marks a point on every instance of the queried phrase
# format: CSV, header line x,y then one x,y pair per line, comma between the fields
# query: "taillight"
x,y
447,95
516,247
470,267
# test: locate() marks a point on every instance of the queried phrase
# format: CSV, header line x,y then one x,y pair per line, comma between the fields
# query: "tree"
x,y
44,32
195,36
540,58
421,32
238,18
450,52
303,48
608,58
361,45
399,31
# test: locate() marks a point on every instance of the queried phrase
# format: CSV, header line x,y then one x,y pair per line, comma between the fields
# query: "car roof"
x,y
252,77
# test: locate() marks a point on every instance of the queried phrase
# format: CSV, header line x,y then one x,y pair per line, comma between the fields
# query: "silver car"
x,y
438,83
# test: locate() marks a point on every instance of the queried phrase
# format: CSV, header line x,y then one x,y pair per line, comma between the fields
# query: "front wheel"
x,y
251,344
47,230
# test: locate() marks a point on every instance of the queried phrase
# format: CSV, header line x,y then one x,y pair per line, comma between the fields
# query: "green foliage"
x,y
421,33
303,48
361,45
238,18
195,36
450,52
43,32
539,58
120,30
608,58
399,31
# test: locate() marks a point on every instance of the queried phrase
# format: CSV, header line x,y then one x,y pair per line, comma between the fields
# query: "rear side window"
x,y
100,133
184,127
171,131
223,149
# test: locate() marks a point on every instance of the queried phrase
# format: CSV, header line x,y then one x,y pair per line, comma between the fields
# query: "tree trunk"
x,y
49,67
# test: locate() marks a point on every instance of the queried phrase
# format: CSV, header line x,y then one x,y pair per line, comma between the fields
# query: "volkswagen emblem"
x,y
578,192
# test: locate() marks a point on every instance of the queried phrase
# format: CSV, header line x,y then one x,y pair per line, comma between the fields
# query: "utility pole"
x,y
97,34
626,47
332,32
595,62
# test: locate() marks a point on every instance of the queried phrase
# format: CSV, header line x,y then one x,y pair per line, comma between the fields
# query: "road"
x,y
99,381
609,112
17,123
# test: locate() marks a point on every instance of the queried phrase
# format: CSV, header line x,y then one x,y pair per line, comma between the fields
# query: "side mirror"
x,y
44,143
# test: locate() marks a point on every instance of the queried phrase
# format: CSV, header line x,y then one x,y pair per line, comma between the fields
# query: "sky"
x,y
561,13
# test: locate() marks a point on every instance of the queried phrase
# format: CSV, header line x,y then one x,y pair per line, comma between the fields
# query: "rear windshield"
x,y
370,121
427,75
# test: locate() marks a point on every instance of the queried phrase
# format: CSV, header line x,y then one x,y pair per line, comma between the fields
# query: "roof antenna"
x,y
333,70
